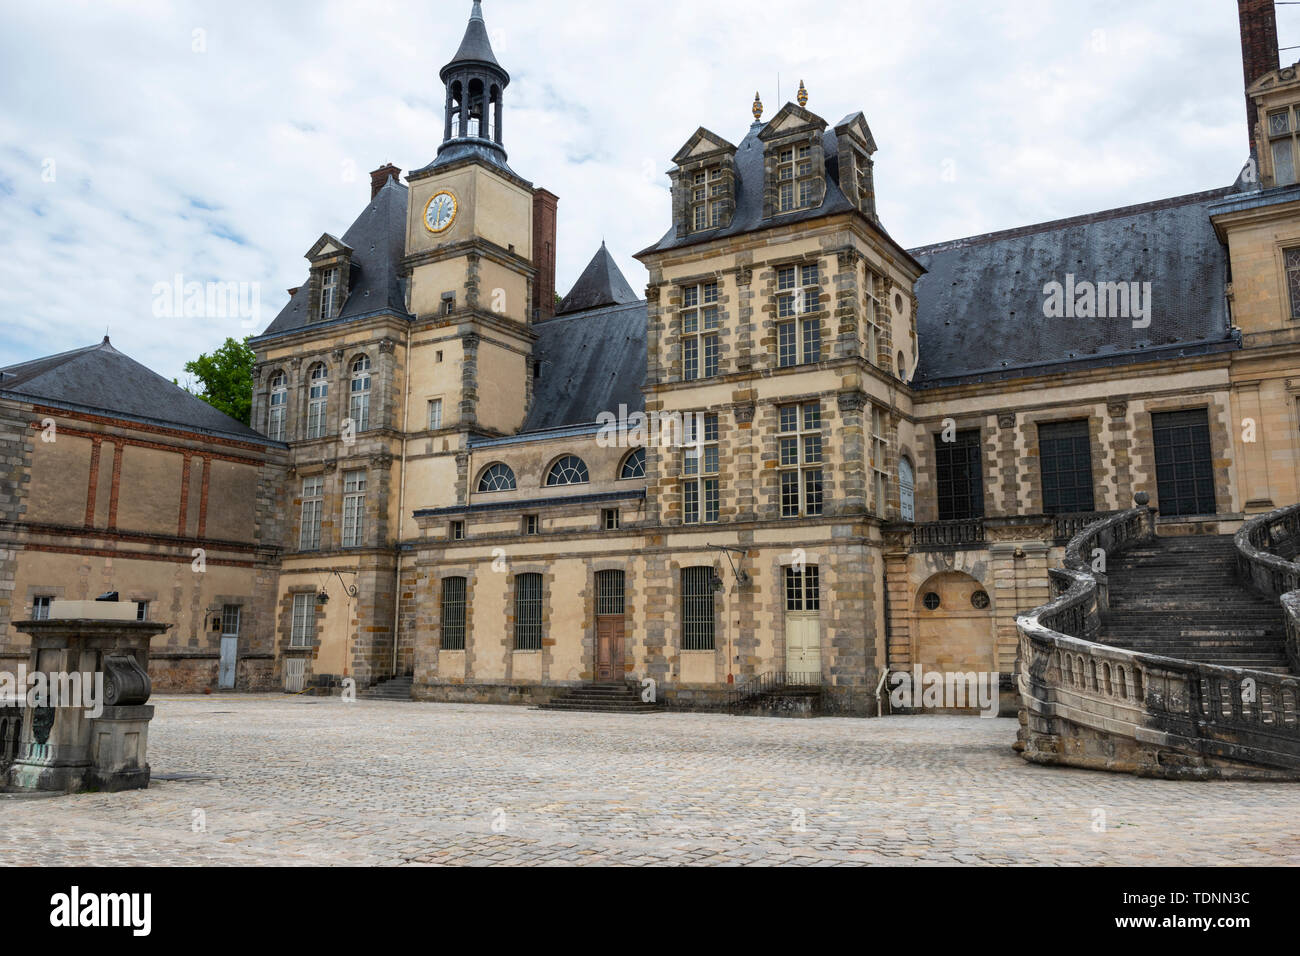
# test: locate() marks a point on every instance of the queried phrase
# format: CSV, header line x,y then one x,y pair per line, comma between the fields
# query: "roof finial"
x,y
803,94
477,12
758,108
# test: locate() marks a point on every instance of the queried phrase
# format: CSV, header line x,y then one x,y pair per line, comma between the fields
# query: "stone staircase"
x,y
398,688
614,698
1181,597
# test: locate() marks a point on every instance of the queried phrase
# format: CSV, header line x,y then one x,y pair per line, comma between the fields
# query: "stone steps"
x,y
1181,598
612,698
398,688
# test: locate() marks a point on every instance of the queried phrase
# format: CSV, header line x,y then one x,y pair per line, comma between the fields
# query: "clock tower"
x,y
470,250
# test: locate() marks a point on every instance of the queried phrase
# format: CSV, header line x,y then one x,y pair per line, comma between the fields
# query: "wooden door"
x,y
803,645
609,626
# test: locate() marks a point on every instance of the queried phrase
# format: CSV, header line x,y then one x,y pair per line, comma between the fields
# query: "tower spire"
x,y
475,82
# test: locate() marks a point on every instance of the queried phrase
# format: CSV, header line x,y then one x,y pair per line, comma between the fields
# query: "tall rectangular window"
x,y
354,508
1184,462
697,609
707,191
1292,257
435,414
699,331
313,490
328,289
317,401
142,610
528,612
41,607
304,620
799,327
700,492
799,445
230,620
880,460
959,478
874,310
1065,462
452,614
1283,129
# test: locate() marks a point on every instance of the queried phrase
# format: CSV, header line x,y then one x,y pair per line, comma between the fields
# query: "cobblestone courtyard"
x,y
298,780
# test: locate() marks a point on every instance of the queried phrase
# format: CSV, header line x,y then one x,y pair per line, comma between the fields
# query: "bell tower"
x,y
470,249
475,83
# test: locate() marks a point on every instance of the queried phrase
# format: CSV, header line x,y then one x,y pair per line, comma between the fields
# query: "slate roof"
x,y
592,362
748,193
602,283
101,379
378,240
475,47
980,304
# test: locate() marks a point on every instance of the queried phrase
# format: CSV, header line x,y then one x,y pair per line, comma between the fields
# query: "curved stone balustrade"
x,y
1092,705
1270,574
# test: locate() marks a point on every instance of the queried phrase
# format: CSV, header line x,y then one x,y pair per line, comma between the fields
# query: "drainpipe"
x,y
401,499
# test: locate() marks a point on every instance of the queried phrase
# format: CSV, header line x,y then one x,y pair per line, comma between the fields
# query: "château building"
x,y
805,448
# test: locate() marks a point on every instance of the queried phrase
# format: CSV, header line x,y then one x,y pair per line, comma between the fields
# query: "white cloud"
x,y
226,164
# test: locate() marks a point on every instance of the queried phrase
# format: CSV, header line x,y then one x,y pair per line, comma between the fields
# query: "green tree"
x,y
226,378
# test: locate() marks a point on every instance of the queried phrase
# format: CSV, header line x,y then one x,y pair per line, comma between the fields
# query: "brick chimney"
x,y
544,216
1258,50
382,175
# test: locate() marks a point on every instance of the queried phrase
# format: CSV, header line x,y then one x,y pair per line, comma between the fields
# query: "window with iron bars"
x,y
699,331
452,614
799,328
800,449
1065,464
959,478
700,490
697,609
609,592
528,612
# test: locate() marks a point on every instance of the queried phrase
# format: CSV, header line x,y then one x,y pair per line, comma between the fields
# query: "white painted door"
x,y
803,645
229,646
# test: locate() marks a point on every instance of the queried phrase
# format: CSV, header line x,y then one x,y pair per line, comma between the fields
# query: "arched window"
x,y
278,402
317,397
633,464
901,368
906,491
359,407
497,477
569,470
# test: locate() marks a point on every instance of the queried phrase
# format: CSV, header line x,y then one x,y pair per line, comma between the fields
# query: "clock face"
x,y
440,213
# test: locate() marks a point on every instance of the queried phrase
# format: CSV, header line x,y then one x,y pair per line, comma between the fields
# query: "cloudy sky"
x,y
147,139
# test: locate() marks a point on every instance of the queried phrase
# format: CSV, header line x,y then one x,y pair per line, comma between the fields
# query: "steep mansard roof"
x,y
602,283
378,241
748,193
591,362
980,312
101,379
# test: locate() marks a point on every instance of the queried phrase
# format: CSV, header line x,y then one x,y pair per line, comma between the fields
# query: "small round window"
x,y
980,600
931,601
898,303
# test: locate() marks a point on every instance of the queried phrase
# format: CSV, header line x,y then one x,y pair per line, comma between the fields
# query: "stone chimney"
x,y
382,175
545,204
1258,50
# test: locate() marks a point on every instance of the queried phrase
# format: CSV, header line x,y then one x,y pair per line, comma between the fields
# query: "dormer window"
x,y
708,190
1283,130
793,174
329,282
